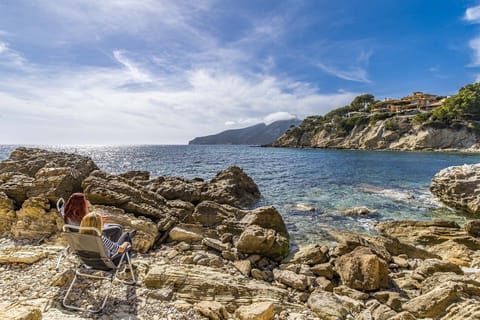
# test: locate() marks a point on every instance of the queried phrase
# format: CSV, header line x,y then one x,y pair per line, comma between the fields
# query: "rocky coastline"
x,y
399,133
201,253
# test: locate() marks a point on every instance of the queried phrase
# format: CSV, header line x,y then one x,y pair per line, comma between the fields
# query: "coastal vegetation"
x,y
365,115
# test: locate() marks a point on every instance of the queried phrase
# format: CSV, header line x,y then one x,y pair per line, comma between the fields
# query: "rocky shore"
x,y
398,133
202,254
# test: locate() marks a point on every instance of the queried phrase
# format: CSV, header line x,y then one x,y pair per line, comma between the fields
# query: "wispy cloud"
x,y
277,116
92,106
134,71
475,46
473,14
11,58
183,80
353,74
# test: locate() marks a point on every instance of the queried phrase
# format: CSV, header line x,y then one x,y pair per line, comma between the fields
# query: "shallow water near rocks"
x,y
393,184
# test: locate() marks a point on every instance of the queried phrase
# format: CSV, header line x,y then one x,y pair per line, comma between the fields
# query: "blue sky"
x,y
163,72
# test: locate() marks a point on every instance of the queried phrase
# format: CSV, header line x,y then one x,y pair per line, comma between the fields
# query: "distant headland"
x,y
258,134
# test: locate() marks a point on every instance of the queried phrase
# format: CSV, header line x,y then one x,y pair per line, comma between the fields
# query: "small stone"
x,y
182,305
357,211
391,299
215,262
187,260
62,279
291,279
473,228
324,284
172,254
229,255
305,270
226,237
216,244
259,275
183,246
254,258
244,266
256,311
213,310
351,293
400,261
323,270
179,234
164,294
309,254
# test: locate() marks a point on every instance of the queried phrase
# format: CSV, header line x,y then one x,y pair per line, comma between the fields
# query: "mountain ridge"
x,y
258,134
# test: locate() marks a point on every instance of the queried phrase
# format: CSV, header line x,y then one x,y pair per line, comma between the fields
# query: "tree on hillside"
x,y
362,101
461,106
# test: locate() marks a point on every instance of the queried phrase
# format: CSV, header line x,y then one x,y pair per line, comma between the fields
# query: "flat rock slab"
x,y
26,255
194,283
20,312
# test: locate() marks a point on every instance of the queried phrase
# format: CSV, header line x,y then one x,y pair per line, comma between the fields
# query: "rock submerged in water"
x,y
357,211
458,187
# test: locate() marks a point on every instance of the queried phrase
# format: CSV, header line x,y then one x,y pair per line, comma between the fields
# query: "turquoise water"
x,y
394,184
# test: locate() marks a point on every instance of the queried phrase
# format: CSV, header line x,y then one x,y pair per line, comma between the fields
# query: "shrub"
x,y
421,118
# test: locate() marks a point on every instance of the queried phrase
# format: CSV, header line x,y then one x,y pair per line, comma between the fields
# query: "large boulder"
x,y
112,190
431,266
16,185
265,234
434,303
147,231
7,213
363,270
231,186
329,306
31,172
458,187
35,220
259,231
310,254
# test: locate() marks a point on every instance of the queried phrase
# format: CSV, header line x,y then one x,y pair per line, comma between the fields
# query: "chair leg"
x,y
107,295
125,258
129,261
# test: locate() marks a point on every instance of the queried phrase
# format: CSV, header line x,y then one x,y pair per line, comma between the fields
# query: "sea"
x,y
393,185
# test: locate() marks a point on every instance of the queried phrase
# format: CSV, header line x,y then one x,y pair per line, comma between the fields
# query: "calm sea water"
x,y
394,184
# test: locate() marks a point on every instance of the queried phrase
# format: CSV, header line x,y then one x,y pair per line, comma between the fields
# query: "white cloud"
x,y
473,14
194,85
133,70
475,46
357,74
277,116
11,58
93,106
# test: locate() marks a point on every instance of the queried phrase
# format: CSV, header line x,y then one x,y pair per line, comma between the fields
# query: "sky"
x,y
164,72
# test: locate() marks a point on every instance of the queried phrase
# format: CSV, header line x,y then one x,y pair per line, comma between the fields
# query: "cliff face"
x,y
398,133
